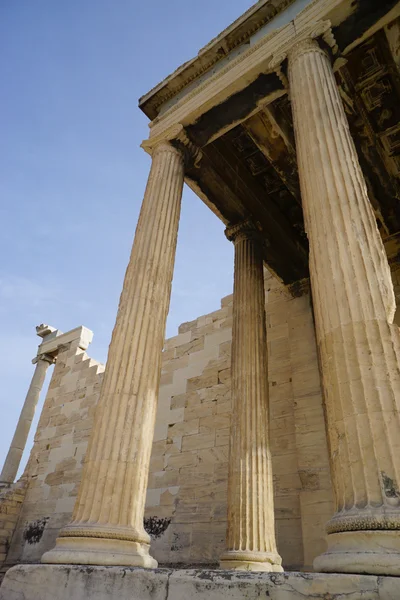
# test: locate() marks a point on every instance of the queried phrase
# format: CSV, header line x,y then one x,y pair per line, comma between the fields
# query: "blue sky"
x,y
72,173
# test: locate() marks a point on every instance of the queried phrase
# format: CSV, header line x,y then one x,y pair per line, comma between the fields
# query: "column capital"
x,y
306,41
165,146
175,139
45,357
307,44
243,230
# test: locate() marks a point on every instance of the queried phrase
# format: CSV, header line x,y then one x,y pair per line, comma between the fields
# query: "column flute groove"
x,y
354,307
107,522
251,528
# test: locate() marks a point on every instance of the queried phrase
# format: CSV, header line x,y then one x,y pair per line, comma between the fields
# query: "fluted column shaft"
x,y
354,306
18,443
251,525
107,522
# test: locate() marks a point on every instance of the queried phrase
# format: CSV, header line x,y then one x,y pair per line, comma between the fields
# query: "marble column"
x,y
17,447
251,542
354,306
107,522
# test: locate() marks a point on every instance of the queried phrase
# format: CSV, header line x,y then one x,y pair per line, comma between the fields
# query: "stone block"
x,y
163,479
178,340
222,437
225,350
224,376
210,456
277,332
168,355
200,410
184,459
160,431
224,407
286,484
219,393
209,423
179,401
162,512
190,348
227,301
224,324
188,399
218,337
206,380
199,475
175,416
169,496
179,362
285,464
75,583
203,329
174,446
198,442
187,427
184,327
203,321
166,378
306,383
66,582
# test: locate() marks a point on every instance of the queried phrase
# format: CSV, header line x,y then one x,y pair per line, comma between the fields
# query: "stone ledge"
x,y
70,582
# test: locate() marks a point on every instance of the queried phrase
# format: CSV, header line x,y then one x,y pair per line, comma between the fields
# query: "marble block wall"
x,y
187,489
54,467
186,500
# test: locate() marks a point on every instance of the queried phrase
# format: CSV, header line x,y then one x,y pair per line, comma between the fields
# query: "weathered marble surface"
x,y
107,522
59,582
354,305
251,544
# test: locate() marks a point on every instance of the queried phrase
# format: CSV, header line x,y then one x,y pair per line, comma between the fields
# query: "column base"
x,y
100,551
374,552
268,562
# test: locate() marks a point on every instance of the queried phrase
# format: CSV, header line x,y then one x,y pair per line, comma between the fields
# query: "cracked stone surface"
x,y
62,582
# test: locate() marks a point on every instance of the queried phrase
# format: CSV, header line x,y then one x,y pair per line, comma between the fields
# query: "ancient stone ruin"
x,y
256,453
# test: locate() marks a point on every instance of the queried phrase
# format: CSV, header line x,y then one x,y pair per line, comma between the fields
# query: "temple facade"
x,y
265,436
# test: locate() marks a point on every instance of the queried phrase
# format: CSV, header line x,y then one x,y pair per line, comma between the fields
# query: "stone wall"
x,y
54,468
188,482
187,491
11,499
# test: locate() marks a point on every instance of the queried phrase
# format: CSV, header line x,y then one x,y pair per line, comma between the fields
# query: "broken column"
x,y
354,306
251,544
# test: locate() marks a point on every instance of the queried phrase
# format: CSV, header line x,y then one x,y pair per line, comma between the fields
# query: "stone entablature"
x,y
239,71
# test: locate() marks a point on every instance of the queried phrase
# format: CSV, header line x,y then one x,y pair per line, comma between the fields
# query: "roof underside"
x,y
249,167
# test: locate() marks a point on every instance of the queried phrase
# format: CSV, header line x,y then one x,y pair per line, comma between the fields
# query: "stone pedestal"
x,y
354,306
67,582
107,523
17,447
251,542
